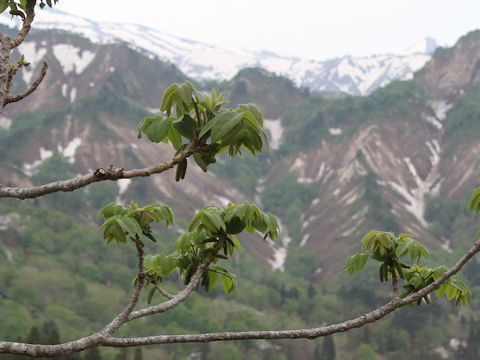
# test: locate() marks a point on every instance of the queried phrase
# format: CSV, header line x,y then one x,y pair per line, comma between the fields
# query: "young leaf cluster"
x,y
211,234
200,121
132,222
210,238
416,278
387,249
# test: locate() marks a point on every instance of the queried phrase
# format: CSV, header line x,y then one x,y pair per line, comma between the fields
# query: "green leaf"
x,y
200,162
401,249
358,261
113,231
225,124
174,136
167,101
186,126
460,285
215,218
166,214
129,225
251,121
451,291
235,225
157,128
254,110
150,295
474,202
111,210
228,284
182,244
441,290
204,100
197,219
214,120
213,278
167,263
236,243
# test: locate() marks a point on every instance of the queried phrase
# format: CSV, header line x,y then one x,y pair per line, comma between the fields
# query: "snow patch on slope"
x,y
28,169
73,94
335,131
276,130
5,122
72,58
432,120
70,150
64,89
280,248
440,108
415,197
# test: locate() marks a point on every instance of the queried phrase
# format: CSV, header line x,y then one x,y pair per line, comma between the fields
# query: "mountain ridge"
x,y
348,74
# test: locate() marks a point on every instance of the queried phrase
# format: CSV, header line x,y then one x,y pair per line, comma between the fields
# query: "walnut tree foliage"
x,y
193,117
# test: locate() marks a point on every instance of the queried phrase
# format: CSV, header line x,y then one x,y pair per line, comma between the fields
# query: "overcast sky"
x,y
314,29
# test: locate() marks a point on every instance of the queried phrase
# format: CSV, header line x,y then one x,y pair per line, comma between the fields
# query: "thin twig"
x,y
123,316
180,297
163,291
31,89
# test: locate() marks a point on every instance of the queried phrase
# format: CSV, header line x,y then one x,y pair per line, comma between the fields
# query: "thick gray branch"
x,y
100,174
98,340
301,333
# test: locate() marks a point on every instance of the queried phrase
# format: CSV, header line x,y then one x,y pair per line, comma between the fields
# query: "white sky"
x,y
314,29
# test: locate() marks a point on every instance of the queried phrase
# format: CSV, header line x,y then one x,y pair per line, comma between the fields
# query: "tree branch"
x,y
99,340
123,316
180,297
100,174
27,24
31,89
163,291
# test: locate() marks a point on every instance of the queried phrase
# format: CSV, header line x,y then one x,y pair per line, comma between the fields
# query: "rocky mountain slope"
x,y
375,162
348,74
360,157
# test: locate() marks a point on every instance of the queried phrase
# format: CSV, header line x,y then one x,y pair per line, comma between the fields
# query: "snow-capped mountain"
x,y
348,74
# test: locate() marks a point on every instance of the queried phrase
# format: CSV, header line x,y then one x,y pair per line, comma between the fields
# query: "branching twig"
x,y
163,291
31,89
100,174
180,297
